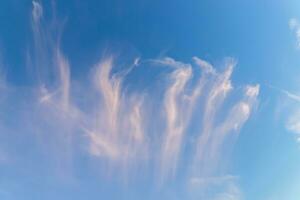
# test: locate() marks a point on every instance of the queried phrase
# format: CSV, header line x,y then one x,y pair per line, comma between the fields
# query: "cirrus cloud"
x,y
184,118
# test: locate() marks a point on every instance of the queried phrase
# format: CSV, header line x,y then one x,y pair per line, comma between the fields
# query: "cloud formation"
x,y
226,187
292,123
37,11
295,27
184,118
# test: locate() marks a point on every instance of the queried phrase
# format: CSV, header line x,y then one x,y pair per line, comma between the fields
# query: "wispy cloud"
x,y
226,186
289,94
37,11
295,27
176,107
188,111
214,131
293,122
116,132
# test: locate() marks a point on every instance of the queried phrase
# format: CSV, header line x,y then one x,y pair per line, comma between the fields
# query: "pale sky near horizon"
x,y
138,99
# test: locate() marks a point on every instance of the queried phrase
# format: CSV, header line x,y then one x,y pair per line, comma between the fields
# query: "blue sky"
x,y
149,100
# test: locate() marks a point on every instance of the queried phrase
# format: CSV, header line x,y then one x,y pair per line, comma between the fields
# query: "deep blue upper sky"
x,y
249,31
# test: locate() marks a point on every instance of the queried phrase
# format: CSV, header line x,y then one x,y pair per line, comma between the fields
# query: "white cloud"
x,y
289,94
292,123
176,118
37,11
118,132
295,27
214,131
232,192
215,188
198,181
252,91
127,128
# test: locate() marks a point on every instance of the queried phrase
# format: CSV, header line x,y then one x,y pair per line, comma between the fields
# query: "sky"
x,y
138,99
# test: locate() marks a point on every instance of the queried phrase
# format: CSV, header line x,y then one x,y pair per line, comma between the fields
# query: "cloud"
x,y
252,91
295,27
232,192
176,123
176,116
214,131
212,180
292,123
117,134
37,11
216,188
289,94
